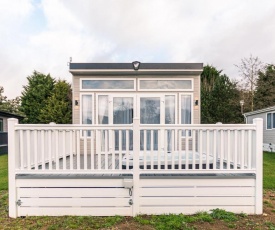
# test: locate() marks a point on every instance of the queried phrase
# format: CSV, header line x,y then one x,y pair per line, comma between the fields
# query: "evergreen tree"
x,y
265,92
35,95
58,107
219,98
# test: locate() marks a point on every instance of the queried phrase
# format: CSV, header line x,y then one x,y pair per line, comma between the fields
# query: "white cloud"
x,y
43,35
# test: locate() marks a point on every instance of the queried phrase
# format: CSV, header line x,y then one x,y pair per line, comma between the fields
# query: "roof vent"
x,y
136,65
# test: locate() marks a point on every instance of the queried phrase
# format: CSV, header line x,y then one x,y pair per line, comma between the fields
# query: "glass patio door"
x,y
123,113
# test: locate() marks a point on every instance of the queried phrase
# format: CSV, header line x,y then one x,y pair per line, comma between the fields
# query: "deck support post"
x,y
136,176
11,164
259,166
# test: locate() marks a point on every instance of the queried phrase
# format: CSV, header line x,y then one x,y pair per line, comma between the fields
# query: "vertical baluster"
x,y
120,150
249,166
127,149
242,150
85,149
165,149
172,149
222,150
64,149
228,149
215,149
43,148
200,148
73,140
28,150
236,149
180,148
35,149
145,150
21,150
152,149
207,149
92,150
98,148
193,149
50,149
57,149
186,149
159,149
71,150
114,150
106,149
78,149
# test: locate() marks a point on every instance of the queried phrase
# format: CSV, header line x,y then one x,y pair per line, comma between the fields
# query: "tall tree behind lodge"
x,y
265,93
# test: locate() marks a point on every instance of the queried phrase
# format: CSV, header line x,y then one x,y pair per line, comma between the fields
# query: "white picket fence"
x,y
135,149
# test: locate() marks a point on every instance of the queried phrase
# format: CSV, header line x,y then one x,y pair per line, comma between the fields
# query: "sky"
x,y
42,35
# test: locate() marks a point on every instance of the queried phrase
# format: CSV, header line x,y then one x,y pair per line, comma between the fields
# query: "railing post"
x,y
11,164
259,166
136,176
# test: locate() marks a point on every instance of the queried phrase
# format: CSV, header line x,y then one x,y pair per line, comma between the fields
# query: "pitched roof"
x,y
268,109
10,115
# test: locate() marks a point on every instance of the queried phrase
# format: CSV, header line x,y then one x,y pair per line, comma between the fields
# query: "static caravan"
x,y
268,116
136,146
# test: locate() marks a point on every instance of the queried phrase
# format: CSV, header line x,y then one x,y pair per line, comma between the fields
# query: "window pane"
x,y
1,125
123,110
273,120
186,109
268,121
87,109
103,110
107,84
150,110
169,109
165,84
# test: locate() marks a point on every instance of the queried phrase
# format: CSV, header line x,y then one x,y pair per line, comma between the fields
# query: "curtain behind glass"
x,y
149,114
103,109
123,114
186,109
169,117
87,109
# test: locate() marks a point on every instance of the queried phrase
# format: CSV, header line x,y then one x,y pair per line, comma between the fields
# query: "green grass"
x,y
269,170
4,172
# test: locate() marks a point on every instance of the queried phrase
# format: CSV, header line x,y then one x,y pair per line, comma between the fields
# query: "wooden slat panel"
x,y
175,201
202,191
194,209
69,183
75,202
195,182
72,192
96,211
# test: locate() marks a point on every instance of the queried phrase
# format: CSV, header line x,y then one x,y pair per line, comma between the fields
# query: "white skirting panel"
x,y
58,197
163,196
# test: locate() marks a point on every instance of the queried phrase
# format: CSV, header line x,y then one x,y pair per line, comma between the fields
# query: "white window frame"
x,y
272,124
162,105
167,79
81,107
110,101
192,107
192,113
109,90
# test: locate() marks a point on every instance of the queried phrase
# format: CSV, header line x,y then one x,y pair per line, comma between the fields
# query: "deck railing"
x,y
147,148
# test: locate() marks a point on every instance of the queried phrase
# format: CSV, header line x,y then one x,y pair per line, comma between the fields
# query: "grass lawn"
x,y
216,219
4,172
269,170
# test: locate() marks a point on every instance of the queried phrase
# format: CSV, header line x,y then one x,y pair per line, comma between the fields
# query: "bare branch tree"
x,y
249,70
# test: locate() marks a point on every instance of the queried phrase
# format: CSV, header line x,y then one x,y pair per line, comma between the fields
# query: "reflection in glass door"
x,y
149,114
123,109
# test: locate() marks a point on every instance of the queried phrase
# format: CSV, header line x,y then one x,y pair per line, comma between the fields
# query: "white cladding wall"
x,y
268,134
5,124
196,93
